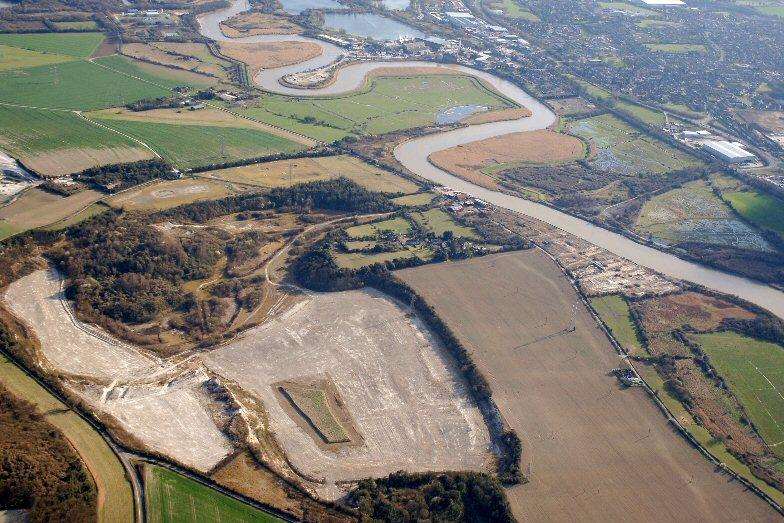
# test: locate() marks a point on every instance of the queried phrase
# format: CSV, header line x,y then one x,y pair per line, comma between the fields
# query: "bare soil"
x,y
592,450
61,162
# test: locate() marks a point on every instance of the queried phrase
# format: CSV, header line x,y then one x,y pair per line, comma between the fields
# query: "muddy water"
x,y
414,156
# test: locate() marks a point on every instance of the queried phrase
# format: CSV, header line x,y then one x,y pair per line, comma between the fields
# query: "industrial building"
x,y
730,152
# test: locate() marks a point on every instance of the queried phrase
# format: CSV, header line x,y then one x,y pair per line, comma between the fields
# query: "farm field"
x,y
413,200
621,149
287,172
93,210
513,10
79,25
17,58
153,74
37,208
171,193
355,260
693,213
115,499
172,498
191,56
478,161
387,104
398,225
678,48
754,371
54,143
614,311
763,210
556,392
627,8
403,391
438,222
191,145
77,45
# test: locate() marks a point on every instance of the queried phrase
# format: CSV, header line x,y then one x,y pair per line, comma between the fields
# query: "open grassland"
x,y
677,48
763,210
77,25
386,104
188,146
355,260
397,225
167,194
438,222
693,213
90,211
250,23
78,45
622,149
593,451
115,498
477,161
614,312
191,56
513,10
268,55
172,498
284,173
165,77
73,85
629,9
17,58
414,200
36,208
404,392
754,370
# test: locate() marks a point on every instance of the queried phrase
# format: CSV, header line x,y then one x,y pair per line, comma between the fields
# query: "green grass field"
x,y
78,45
25,132
513,10
154,74
438,222
414,200
17,58
387,104
622,149
614,312
172,498
627,8
397,225
677,48
103,464
754,371
358,259
761,209
188,146
79,25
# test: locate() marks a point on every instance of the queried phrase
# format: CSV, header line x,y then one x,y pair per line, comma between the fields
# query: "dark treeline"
x,y
113,178
339,194
146,104
39,470
445,496
317,270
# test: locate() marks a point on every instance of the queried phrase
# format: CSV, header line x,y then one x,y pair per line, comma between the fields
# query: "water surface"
x,y
370,25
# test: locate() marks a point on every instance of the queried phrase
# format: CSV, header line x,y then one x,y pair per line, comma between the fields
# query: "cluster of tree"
x,y
431,496
340,194
763,327
119,266
60,189
764,266
113,178
147,104
39,469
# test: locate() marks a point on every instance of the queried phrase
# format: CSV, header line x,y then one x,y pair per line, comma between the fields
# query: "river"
x,y
414,153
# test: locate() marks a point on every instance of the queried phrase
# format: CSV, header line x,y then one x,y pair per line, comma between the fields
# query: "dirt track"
x,y
593,451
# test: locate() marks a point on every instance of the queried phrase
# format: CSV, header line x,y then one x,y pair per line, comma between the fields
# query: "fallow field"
x,y
593,451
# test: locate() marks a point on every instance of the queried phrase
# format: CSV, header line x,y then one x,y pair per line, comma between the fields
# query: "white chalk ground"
x,y
169,419
403,391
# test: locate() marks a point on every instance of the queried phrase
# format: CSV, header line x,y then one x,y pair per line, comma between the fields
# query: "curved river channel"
x,y
414,156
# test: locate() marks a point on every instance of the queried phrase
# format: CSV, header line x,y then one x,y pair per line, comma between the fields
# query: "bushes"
x,y
113,178
39,469
431,496
339,194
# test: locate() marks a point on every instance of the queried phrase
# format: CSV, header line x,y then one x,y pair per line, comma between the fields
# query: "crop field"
x,y
477,161
355,260
172,498
409,404
164,77
387,104
17,58
614,311
694,213
171,193
622,149
191,56
762,209
439,222
754,371
678,48
414,200
188,146
81,25
54,143
287,172
36,208
77,45
593,451
115,499
90,211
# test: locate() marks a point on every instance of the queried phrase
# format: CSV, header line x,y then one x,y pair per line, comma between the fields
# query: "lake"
x,y
396,5
295,7
371,25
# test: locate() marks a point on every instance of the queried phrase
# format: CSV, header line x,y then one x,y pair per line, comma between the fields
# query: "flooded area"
x,y
457,113
370,25
296,7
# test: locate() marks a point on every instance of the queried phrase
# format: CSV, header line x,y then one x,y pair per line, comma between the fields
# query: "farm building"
x,y
730,152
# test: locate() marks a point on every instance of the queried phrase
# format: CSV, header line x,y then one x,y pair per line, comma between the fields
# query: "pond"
x,y
370,25
295,7
457,113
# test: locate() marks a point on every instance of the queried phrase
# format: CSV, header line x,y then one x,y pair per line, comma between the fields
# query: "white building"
x,y
730,152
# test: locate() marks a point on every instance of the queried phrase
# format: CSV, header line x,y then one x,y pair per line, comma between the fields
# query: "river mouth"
x,y
413,155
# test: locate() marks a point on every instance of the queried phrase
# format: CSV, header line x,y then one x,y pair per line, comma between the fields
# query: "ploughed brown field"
x,y
592,450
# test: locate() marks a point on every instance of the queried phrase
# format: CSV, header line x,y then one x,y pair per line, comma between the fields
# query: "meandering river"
x,y
414,156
